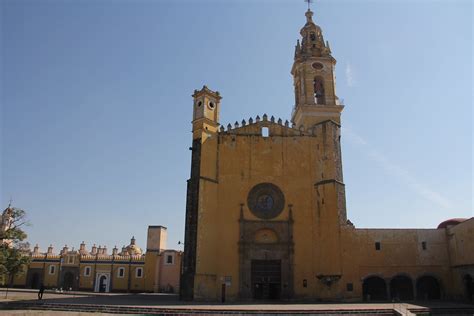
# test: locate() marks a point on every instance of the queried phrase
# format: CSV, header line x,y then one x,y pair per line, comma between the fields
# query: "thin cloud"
x,y
397,171
350,75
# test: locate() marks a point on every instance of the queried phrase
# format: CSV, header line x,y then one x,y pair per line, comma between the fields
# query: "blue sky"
x,y
96,106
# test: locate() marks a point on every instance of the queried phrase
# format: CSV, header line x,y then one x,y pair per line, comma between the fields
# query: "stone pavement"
x,y
166,304
48,313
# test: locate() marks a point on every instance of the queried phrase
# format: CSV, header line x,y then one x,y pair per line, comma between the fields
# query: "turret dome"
x,y
133,249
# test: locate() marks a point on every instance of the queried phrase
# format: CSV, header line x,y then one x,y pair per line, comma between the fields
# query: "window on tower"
x,y
297,93
312,36
319,91
423,245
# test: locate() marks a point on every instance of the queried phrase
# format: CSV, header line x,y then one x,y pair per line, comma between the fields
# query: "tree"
x,y
14,253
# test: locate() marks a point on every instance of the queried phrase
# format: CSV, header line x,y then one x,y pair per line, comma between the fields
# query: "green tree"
x,y
14,253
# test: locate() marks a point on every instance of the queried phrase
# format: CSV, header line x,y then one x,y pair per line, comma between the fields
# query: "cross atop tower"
x,y
309,3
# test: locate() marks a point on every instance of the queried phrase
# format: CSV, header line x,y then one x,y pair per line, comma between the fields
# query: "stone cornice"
x,y
322,182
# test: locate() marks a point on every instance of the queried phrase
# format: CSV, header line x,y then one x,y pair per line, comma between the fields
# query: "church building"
x,y
131,269
266,208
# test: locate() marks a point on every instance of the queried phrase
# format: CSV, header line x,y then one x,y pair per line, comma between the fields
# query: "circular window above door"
x,y
266,200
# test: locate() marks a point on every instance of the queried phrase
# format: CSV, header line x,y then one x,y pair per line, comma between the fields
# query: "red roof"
x,y
451,222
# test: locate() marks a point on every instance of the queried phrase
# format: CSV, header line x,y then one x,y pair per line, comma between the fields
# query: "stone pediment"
x,y
256,127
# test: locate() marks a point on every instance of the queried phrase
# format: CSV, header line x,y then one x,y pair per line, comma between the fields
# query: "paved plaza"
x,y
74,303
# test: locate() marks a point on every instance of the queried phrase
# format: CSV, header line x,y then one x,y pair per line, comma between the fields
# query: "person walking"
x,y
41,291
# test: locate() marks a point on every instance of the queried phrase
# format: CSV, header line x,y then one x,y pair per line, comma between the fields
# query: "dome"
x,y
133,249
451,222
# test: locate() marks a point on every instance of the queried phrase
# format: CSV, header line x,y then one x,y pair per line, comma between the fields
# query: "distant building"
x,y
266,208
127,270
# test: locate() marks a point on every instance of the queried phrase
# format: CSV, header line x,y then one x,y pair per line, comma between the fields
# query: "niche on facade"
x,y
266,236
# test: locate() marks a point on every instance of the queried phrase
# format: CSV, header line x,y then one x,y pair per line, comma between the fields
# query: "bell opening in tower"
x,y
319,97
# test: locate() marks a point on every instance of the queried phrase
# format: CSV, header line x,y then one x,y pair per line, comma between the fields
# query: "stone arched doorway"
x,y
266,279
428,288
102,282
266,260
35,281
401,288
68,282
69,278
374,288
34,278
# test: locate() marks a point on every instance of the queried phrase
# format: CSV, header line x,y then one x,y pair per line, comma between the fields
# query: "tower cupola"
x,y
314,78
312,43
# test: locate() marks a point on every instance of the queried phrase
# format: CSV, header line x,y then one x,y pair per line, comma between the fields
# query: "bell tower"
x,y
314,78
205,112
204,161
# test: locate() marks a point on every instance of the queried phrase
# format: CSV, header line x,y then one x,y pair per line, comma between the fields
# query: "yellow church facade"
x,y
97,270
266,211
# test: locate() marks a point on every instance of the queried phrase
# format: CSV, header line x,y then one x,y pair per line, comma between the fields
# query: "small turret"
x,y
206,112
82,248
65,250
312,44
297,48
124,251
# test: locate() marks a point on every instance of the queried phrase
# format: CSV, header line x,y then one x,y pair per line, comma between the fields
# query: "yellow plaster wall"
x,y
120,283
401,253
137,284
461,252
292,163
86,282
149,281
152,266
51,280
169,273
461,243
234,161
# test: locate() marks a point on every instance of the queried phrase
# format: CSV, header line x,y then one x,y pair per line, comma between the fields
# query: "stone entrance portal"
x,y
266,259
102,282
266,279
